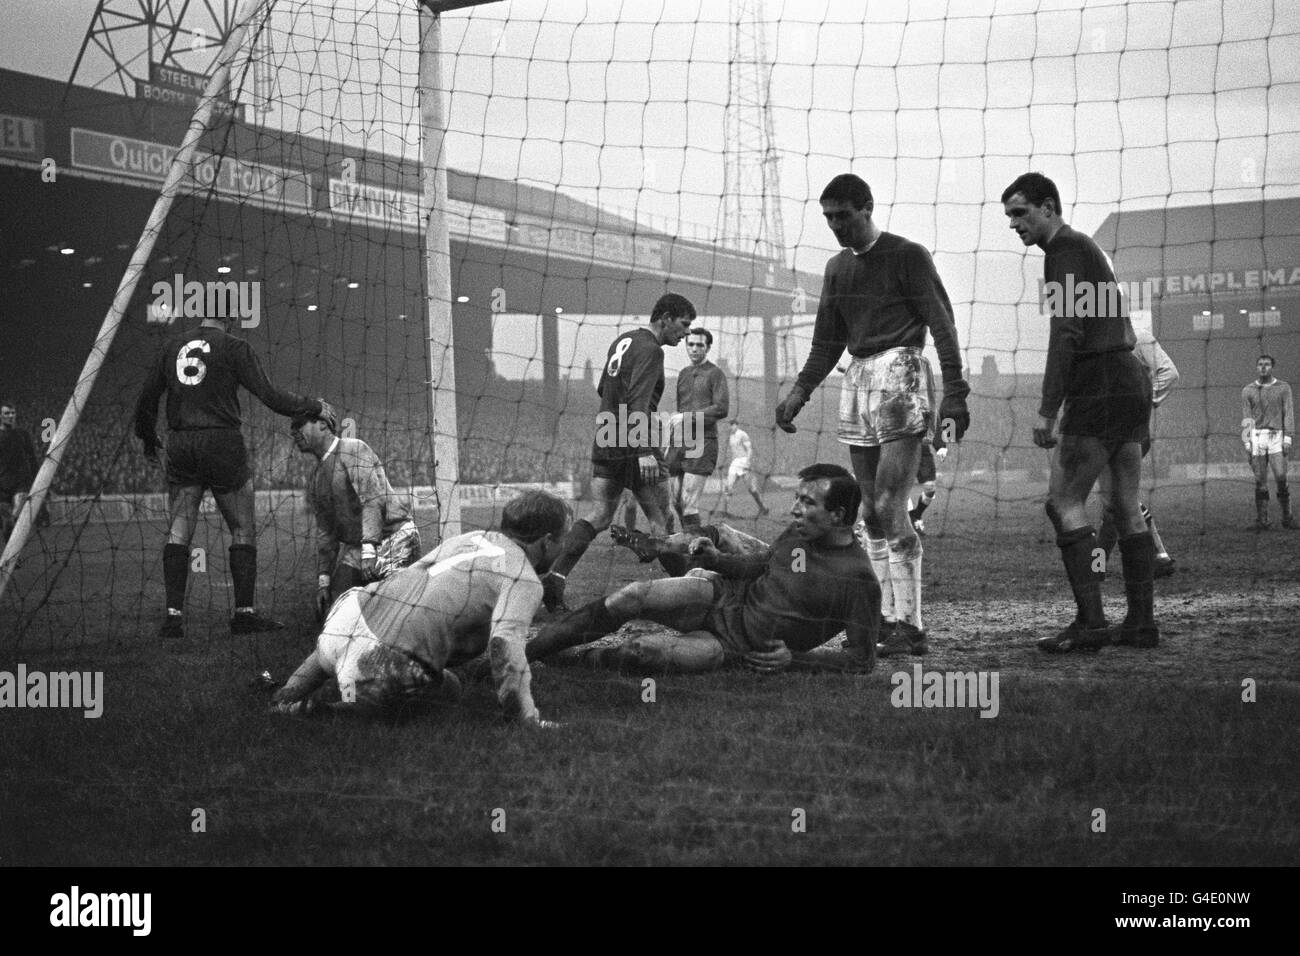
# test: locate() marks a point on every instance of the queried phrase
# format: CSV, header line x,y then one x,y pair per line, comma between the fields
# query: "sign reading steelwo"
x,y
141,159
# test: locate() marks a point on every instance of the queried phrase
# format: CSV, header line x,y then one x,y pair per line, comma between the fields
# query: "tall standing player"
x,y
879,296
701,392
1268,422
200,372
625,452
1106,392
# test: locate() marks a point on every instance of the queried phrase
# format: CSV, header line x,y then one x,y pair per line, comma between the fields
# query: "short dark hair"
x,y
1036,188
533,515
847,187
843,492
672,306
1269,357
708,336
328,421
8,404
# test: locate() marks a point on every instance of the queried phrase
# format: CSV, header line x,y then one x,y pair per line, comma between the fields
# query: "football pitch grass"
x,y
1125,757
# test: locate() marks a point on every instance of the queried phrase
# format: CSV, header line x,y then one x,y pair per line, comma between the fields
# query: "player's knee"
x,y
642,654
628,602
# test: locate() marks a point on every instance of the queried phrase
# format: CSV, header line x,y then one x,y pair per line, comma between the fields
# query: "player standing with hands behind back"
x,y
879,296
1106,391
200,372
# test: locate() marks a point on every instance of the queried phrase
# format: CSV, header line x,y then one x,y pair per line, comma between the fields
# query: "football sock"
x,y
1161,551
1138,553
921,504
878,553
243,574
1107,535
1077,554
588,623
905,577
176,570
576,543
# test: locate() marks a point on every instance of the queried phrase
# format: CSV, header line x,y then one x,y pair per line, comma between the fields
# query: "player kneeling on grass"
x,y
764,609
364,529
391,643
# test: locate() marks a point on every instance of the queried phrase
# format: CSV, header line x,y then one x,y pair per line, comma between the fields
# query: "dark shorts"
x,y
1108,397
725,620
680,463
926,472
212,457
625,471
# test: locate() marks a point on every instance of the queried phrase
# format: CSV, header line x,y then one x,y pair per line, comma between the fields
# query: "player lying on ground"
x,y
364,530
200,372
1106,393
627,457
1164,376
1267,423
391,643
880,295
765,610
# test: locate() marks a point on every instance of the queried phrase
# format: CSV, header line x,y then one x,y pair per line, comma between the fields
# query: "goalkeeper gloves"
x,y
954,417
789,407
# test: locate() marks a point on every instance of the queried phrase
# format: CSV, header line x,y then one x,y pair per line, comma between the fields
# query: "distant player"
x,y
702,393
879,296
1164,376
364,530
18,460
927,474
742,454
1106,391
390,644
624,454
1268,423
763,609
200,372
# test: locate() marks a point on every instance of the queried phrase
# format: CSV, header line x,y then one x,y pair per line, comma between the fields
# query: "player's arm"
x,y
249,372
929,302
146,408
366,473
829,338
720,404
1247,414
1288,417
743,567
518,601
310,675
643,373
327,551
1164,373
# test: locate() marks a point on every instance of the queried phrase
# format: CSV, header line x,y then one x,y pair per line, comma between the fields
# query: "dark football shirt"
x,y
1080,327
200,372
883,299
631,385
703,388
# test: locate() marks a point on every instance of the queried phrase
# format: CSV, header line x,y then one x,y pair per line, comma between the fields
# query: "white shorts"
x,y
885,397
1266,441
368,670
739,469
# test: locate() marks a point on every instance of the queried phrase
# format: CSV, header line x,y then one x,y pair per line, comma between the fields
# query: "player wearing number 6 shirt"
x,y
389,644
200,373
625,453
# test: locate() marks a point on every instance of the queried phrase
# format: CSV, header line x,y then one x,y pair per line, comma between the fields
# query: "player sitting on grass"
x,y
765,609
390,644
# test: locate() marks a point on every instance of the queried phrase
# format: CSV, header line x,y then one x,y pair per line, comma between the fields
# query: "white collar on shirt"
x,y
334,444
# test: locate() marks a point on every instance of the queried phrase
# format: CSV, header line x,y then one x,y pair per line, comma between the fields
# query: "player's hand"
x,y
788,408
369,561
705,551
1043,432
769,662
954,416
941,453
328,414
323,602
649,466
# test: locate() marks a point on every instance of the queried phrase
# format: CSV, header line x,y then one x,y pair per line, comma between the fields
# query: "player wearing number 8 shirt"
x,y
200,373
625,453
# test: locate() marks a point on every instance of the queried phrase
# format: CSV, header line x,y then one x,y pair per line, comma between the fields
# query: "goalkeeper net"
x,y
598,156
